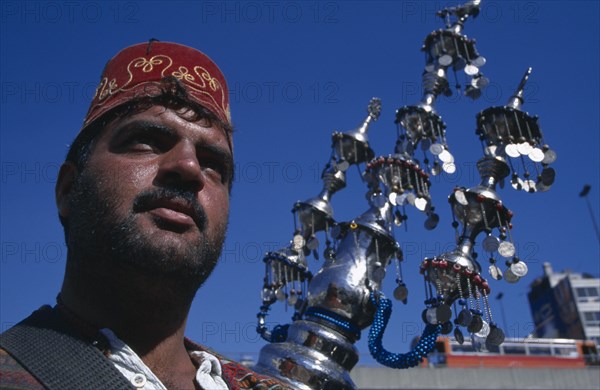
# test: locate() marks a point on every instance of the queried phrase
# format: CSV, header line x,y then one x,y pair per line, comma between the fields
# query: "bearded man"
x,y
143,197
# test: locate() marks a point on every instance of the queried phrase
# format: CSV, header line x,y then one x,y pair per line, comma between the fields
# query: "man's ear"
x,y
64,184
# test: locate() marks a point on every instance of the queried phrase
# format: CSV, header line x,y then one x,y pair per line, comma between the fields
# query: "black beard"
x,y
103,243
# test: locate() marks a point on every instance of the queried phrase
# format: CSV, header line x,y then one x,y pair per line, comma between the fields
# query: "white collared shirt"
x,y
208,375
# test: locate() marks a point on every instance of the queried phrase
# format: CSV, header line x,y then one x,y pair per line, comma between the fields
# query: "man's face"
x,y
154,197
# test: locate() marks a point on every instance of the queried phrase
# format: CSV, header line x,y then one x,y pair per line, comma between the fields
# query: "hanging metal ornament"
x,y
514,134
449,48
418,125
344,296
403,182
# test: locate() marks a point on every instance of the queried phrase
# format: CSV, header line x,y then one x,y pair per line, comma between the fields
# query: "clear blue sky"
x,y
299,70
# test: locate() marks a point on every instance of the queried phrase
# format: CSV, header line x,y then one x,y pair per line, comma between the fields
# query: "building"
x,y
566,305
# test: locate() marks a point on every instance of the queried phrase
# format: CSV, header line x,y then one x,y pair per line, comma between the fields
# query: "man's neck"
x,y
148,313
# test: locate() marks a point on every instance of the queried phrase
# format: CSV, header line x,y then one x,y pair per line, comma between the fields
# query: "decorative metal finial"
x,y
352,147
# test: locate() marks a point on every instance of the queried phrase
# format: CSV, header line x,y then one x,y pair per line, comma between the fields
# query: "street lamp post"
x,y
499,298
583,194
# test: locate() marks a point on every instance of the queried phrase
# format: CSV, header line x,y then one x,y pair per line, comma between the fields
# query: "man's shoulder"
x,y
14,376
239,376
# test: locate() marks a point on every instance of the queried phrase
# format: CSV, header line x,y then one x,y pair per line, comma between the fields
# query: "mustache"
x,y
146,200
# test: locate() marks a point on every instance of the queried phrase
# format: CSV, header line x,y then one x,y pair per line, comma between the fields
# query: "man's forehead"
x,y
176,122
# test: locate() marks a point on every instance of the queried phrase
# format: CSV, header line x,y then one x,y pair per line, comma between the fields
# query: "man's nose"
x,y
181,165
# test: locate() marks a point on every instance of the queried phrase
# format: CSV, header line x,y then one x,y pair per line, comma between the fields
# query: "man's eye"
x,y
218,169
142,143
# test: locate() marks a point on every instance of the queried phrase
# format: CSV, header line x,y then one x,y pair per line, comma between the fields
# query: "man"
x,y
144,198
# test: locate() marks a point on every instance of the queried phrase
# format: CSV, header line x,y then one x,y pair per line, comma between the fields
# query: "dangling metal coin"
x,y
549,156
392,198
485,330
446,156
431,316
343,165
476,324
482,82
424,315
312,243
510,277
524,148
472,92
443,313
432,221
410,198
517,183
511,150
445,60
547,176
529,186
490,243
421,203
506,249
378,274
401,200
471,70
430,67
464,318
447,327
479,61
519,269
458,336
280,295
536,155
541,187
298,242
495,336
460,197
495,272
436,169
449,167
436,149
401,292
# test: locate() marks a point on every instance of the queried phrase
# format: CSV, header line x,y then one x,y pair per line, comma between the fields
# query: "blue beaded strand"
x,y
397,360
335,319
